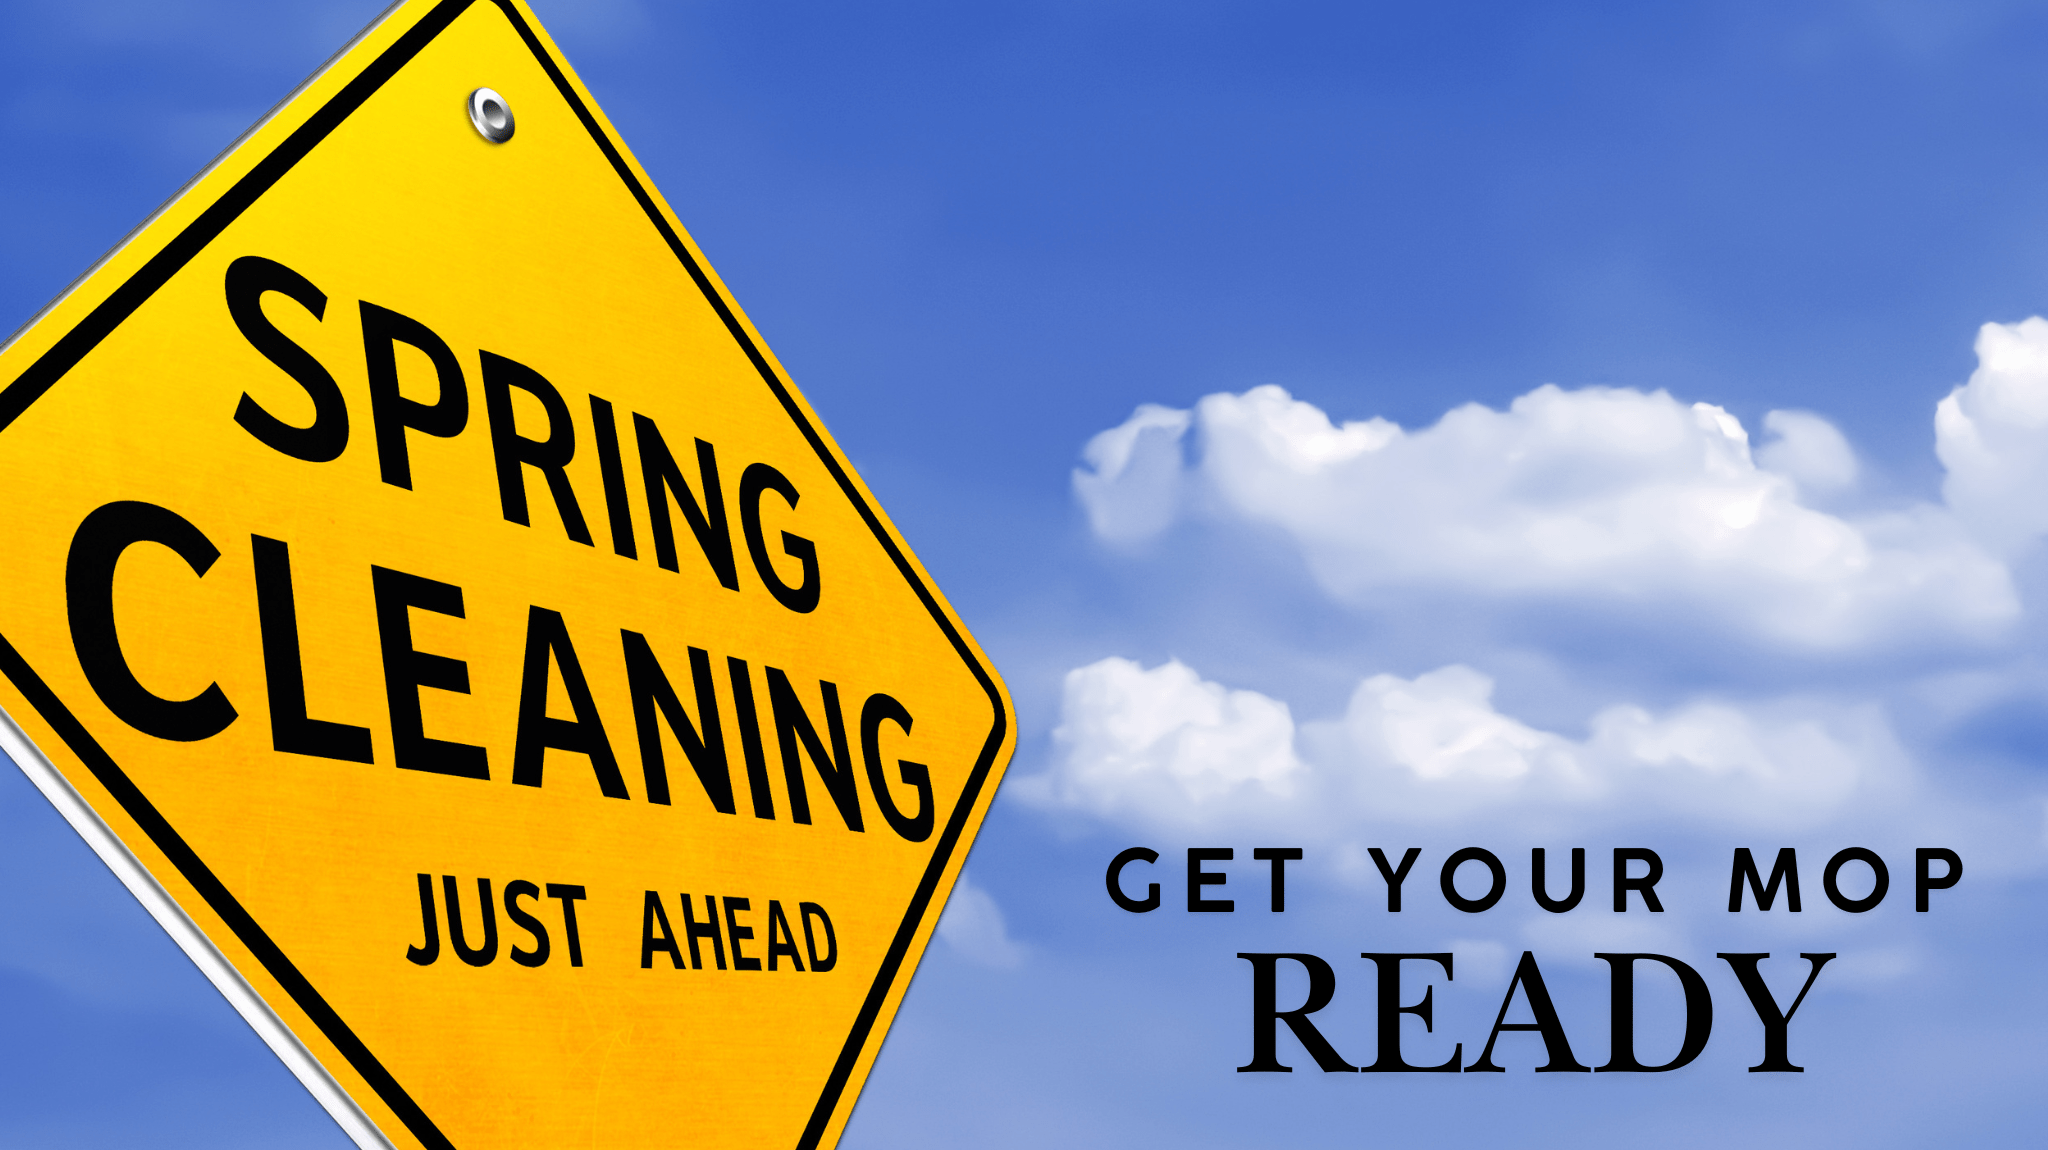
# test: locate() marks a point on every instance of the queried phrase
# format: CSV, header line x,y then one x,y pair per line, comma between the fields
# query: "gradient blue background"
x,y
979,234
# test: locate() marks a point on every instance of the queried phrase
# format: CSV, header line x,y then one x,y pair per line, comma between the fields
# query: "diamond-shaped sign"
x,y
428,593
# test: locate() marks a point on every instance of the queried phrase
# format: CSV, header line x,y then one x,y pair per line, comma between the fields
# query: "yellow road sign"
x,y
430,595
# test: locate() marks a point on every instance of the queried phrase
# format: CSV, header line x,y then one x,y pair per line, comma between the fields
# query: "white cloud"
x,y
1808,450
1165,749
1720,762
1164,745
1595,502
1634,500
1992,435
1434,747
1442,726
1131,487
973,925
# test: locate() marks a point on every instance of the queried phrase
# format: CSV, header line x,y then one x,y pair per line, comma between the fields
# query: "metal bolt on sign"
x,y
491,115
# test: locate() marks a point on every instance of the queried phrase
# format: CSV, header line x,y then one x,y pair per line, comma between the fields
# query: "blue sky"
x,y
1597,615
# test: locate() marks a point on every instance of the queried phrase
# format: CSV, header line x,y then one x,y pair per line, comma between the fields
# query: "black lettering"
x,y
1699,1012
819,965
1447,879
1116,890
793,728
873,713
426,953
735,933
480,956
1536,884
514,452
1784,870
1278,858
695,930
393,413
567,894
750,737
514,891
613,470
1530,979
1390,1011
1775,1024
1881,880
407,670
1922,880
781,939
654,700
1645,885
1322,986
661,477
1394,876
1199,878
547,640
652,916
249,277
89,601
804,597
284,667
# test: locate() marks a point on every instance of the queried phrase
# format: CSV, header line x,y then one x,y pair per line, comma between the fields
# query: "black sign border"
x,y
122,302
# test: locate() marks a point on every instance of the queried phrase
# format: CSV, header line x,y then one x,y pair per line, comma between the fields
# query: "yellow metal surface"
x,y
191,527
